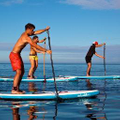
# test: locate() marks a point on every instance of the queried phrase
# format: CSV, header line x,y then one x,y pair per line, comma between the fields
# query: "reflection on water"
x,y
38,109
32,87
31,112
16,115
89,84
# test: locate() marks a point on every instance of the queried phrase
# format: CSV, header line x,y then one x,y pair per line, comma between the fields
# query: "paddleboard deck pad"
x,y
50,95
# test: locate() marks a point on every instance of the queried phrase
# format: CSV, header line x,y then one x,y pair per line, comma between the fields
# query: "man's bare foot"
x,y
34,77
87,75
17,92
21,91
31,77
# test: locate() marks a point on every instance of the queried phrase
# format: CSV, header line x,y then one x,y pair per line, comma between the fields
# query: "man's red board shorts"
x,y
16,61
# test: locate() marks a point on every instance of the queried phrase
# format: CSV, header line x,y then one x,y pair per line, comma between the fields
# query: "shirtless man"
x,y
90,54
34,58
15,57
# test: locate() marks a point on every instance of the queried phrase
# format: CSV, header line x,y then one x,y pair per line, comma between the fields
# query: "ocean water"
x,y
106,106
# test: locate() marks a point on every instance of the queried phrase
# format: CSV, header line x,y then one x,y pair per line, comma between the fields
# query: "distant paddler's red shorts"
x,y
16,61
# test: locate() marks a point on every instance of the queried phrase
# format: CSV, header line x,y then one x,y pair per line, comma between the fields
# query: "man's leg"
x,y
31,68
88,69
22,73
16,82
36,65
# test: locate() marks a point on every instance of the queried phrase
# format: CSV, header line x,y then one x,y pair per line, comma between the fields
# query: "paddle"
x,y
44,63
52,65
104,60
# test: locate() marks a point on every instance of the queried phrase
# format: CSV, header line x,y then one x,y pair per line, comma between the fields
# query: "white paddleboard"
x,y
51,95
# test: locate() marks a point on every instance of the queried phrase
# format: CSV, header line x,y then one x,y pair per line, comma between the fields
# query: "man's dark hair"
x,y
35,37
29,26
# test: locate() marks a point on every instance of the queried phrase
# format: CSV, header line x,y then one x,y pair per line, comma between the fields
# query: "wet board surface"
x,y
50,95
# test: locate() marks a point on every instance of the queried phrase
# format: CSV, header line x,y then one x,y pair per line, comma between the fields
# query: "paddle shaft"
x,y
52,64
44,63
104,60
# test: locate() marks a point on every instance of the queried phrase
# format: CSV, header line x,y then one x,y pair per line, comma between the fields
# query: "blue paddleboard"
x,y
51,95
58,79
98,77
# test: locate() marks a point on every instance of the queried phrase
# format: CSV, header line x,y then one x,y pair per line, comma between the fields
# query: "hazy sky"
x,y
75,24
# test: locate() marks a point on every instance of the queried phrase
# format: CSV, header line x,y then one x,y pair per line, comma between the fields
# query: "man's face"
x,y
31,31
36,40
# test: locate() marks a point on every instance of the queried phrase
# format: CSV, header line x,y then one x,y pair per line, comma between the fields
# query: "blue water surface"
x,y
106,106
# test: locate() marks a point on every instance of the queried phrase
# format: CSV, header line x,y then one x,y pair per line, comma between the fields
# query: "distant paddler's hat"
x,y
96,43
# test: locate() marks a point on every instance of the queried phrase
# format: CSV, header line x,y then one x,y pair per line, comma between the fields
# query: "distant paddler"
x,y
33,57
15,55
90,54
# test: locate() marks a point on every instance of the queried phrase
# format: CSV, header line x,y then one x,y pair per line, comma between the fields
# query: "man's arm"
x,y
41,41
41,31
38,51
99,56
100,45
37,46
